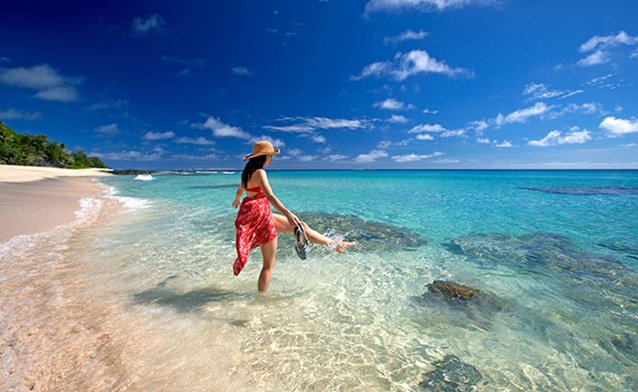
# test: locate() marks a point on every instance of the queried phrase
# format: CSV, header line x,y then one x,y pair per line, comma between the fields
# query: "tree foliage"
x,y
37,150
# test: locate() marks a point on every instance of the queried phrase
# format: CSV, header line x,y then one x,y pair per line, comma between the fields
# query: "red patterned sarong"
x,y
254,227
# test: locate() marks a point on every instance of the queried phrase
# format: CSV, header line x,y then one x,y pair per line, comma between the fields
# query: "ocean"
x,y
551,258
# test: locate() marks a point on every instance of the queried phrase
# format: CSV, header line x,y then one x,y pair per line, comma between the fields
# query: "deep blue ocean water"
x,y
554,255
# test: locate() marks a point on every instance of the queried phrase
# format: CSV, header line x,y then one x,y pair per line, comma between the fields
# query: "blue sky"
x,y
336,84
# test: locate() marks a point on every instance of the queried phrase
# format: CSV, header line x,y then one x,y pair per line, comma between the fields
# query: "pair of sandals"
x,y
301,242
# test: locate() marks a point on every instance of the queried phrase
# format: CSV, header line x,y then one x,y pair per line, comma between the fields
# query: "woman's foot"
x,y
341,246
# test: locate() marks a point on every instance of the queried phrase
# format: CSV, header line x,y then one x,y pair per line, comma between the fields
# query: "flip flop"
x,y
301,242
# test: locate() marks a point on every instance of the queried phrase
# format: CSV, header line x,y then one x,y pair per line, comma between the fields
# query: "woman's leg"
x,y
268,253
282,226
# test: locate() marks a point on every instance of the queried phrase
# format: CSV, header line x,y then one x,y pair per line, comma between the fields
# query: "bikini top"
x,y
255,189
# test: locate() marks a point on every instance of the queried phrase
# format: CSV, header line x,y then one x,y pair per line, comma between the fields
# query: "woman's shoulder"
x,y
257,178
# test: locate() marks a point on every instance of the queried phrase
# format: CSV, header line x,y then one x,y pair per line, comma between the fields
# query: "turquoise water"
x,y
553,253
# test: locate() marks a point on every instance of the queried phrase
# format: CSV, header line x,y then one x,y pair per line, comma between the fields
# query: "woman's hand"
x,y
236,203
292,219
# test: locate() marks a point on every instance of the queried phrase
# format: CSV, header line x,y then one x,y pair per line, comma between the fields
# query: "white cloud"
x,y
221,129
110,129
150,135
14,114
538,91
479,126
598,57
521,116
371,156
108,104
319,139
337,157
242,71
427,128
602,48
407,35
392,104
424,136
308,158
421,5
154,23
622,38
184,73
505,144
201,141
414,157
48,83
429,111
618,126
374,69
483,140
453,133
397,119
130,155
309,124
4,59
556,137
410,64
585,108
294,152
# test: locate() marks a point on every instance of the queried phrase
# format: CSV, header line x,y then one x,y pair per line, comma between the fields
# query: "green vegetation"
x,y
36,150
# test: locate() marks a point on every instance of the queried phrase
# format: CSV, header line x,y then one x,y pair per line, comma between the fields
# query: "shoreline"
x,y
38,199
63,326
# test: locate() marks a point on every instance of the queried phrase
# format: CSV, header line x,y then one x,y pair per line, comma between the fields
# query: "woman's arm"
x,y
274,201
240,191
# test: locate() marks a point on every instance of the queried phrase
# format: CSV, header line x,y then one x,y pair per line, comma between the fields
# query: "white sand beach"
x,y
36,199
61,326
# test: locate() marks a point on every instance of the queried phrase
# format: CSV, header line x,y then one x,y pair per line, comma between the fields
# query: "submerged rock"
x,y
603,283
372,236
451,375
624,347
452,290
543,250
624,245
467,306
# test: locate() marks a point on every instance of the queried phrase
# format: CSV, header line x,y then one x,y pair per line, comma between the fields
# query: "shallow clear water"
x,y
557,271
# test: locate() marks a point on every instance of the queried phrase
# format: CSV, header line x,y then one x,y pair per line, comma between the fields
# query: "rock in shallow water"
x,y
451,375
452,290
477,306
543,250
624,245
372,236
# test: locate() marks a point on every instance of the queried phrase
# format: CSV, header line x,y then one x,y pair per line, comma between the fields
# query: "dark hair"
x,y
253,165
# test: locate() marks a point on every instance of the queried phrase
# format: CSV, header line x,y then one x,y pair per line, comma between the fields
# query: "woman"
x,y
256,225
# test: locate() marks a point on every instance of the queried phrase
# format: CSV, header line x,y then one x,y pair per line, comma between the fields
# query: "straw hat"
x,y
262,148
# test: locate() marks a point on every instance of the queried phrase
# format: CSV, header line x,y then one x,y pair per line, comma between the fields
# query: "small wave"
x,y
144,177
129,203
228,172
23,245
